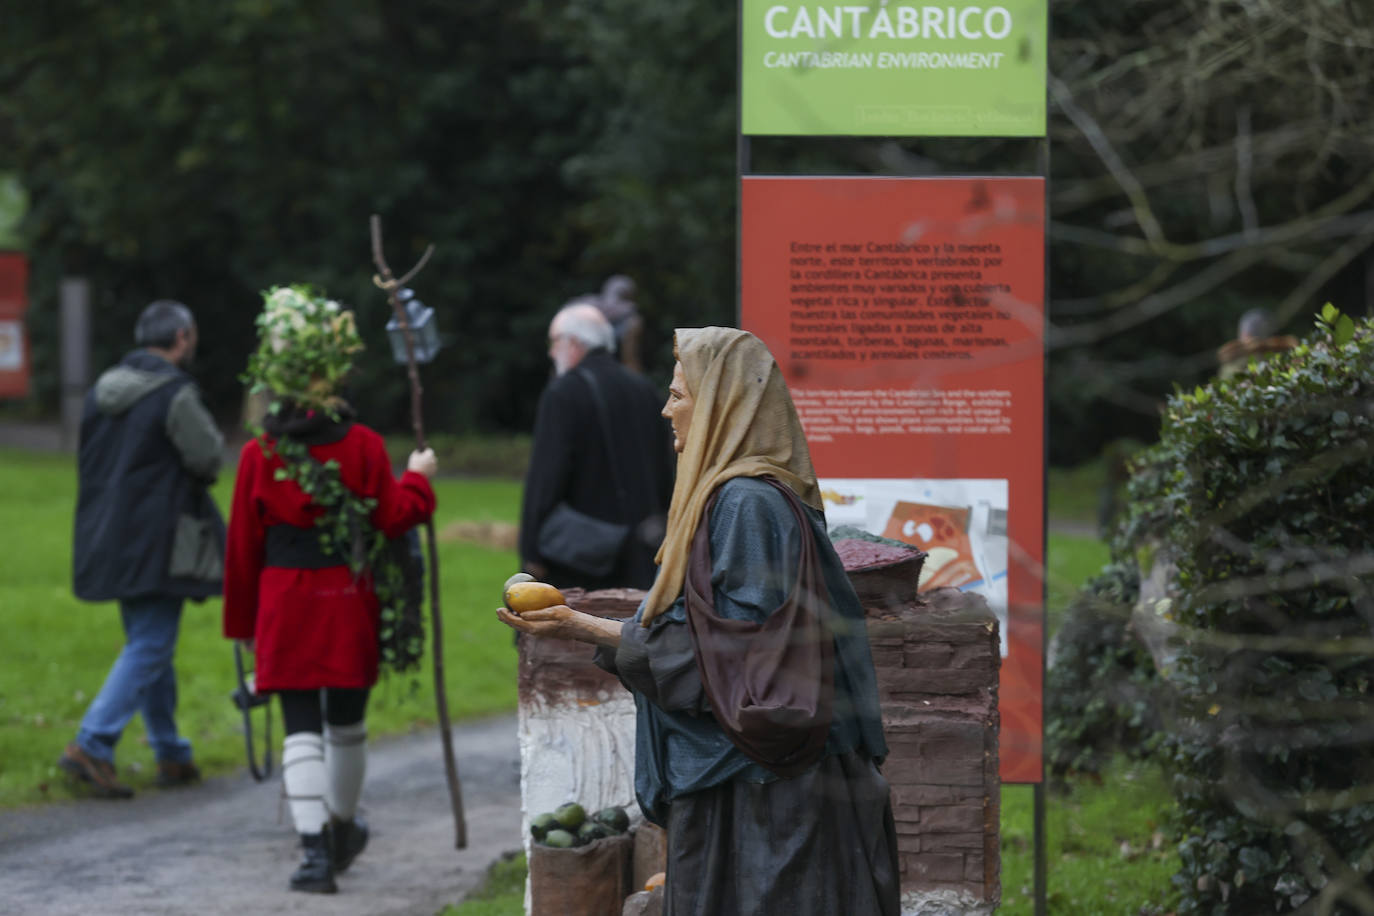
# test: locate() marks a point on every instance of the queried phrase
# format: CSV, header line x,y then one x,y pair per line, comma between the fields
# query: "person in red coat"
x,y
308,610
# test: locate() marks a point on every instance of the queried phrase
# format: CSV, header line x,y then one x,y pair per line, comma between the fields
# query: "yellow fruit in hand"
x,y
518,577
531,596
655,880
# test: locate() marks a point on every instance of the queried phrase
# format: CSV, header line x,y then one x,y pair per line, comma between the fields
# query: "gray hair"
x,y
1255,323
581,320
159,323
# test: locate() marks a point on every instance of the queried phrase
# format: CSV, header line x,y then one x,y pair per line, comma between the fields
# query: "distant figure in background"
x,y
1254,340
617,303
601,465
147,535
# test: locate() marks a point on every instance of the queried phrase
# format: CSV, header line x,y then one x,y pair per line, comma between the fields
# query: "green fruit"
x,y
570,816
591,831
541,825
562,839
613,818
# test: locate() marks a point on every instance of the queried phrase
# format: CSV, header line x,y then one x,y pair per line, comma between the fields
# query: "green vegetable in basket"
x,y
570,816
591,831
541,824
560,838
614,818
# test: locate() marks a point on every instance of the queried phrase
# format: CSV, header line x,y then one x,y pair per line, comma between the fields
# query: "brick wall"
x,y
937,665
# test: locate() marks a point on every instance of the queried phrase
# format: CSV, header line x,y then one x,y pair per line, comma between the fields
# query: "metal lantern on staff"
x,y
414,337
414,322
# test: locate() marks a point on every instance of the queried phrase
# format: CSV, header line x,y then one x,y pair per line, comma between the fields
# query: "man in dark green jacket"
x,y
148,535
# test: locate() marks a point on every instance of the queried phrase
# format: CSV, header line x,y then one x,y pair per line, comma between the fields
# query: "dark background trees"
x,y
1206,157
1209,157
208,151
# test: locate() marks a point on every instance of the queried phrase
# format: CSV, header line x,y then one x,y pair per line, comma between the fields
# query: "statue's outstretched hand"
x,y
562,622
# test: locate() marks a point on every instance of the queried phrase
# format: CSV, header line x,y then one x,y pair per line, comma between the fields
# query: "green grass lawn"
x,y
1107,850
58,649
501,894
1069,562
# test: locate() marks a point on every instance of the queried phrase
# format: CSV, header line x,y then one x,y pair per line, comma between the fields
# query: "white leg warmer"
x,y
345,755
304,777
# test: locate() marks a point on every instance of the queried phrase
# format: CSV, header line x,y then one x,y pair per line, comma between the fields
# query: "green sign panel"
x,y
967,68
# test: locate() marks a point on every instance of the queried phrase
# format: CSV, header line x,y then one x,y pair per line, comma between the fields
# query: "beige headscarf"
x,y
743,425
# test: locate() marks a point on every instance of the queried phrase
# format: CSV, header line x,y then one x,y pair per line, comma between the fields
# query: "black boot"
x,y
316,874
350,838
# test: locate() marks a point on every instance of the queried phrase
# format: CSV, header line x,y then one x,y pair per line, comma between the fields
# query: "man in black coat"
x,y
148,535
602,453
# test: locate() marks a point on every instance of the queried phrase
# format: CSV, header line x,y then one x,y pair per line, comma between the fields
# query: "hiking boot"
x,y
316,872
171,774
350,838
98,775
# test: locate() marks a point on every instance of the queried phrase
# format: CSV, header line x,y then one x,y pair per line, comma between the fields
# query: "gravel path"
x,y
226,846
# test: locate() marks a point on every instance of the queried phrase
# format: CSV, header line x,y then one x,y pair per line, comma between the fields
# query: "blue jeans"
x,y
142,679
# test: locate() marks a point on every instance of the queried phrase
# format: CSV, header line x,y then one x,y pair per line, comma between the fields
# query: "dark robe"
x,y
570,463
742,839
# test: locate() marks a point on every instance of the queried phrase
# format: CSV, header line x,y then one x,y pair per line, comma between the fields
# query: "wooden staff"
x,y
392,286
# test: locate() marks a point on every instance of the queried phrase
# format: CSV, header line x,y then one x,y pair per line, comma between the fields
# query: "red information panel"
x,y
908,317
14,343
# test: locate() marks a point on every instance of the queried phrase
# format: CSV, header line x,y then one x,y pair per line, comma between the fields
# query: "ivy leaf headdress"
x,y
306,344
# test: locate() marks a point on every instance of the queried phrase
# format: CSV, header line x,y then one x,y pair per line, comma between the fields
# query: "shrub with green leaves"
x,y
1262,488
1098,692
1102,692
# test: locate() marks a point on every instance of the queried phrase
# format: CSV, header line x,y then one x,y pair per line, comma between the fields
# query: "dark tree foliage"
x,y
1206,156
208,151
1209,157
654,185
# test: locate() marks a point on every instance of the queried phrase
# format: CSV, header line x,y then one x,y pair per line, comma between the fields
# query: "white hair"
x,y
581,320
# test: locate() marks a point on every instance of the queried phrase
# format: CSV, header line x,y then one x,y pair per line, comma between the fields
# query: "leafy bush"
x,y
1101,687
1262,488
1097,697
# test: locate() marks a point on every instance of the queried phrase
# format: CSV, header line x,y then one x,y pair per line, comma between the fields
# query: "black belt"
x,y
297,548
